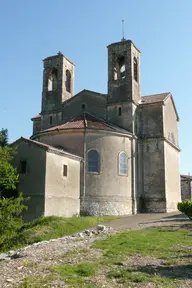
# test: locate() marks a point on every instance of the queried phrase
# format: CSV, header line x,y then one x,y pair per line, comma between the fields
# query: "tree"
x,y
3,137
8,175
11,206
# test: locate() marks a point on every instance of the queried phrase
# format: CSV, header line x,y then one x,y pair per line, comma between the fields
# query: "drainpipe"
x,y
133,176
84,156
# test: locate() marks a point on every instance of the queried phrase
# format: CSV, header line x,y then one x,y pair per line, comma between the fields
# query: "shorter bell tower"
x,y
58,82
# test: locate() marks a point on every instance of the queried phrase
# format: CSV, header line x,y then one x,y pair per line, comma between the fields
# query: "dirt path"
x,y
140,221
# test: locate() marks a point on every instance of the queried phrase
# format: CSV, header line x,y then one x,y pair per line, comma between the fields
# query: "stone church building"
x,y
100,154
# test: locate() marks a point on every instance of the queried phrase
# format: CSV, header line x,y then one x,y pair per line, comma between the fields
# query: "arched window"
x,y
135,64
119,67
52,80
122,67
68,81
123,163
93,161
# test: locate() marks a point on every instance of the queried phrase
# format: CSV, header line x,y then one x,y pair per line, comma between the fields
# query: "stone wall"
x,y
126,89
127,118
153,175
186,188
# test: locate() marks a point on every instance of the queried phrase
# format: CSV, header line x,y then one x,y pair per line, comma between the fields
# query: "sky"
x,y
33,30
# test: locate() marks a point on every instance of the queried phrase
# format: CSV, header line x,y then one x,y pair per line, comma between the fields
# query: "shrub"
x,y
10,217
186,208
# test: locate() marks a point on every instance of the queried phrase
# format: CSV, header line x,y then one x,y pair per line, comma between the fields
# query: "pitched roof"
x,y
46,146
87,92
154,98
87,121
186,177
158,98
36,117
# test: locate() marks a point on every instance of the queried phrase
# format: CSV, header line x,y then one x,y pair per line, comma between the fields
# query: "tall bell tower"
x,y
58,82
123,83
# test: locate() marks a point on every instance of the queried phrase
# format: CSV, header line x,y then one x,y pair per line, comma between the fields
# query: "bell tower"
x,y
123,83
123,72
58,82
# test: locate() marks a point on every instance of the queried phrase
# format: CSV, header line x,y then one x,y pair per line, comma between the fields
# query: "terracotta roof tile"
x,y
36,117
87,121
154,98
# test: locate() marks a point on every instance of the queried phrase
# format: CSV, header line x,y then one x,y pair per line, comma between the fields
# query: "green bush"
x,y
186,208
10,217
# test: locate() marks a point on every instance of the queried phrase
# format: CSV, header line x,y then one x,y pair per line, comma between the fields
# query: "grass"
x,y
46,228
73,275
132,275
172,246
156,243
38,281
76,275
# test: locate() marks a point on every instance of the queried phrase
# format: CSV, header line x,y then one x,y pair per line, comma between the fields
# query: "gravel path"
x,y
50,253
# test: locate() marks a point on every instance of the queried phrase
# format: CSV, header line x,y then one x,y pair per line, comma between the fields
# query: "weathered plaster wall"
x,y
71,141
172,177
62,193
170,121
150,120
186,189
32,183
106,192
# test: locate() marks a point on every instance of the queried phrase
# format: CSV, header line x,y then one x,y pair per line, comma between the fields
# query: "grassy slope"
x,y
173,246
52,227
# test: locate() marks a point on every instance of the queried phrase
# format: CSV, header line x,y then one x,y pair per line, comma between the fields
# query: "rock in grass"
x,y
101,227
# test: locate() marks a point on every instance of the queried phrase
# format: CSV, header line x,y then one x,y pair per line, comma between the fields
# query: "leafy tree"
x,y
8,175
3,137
10,207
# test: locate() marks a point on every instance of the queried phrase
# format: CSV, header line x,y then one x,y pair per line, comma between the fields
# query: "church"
x,y
100,154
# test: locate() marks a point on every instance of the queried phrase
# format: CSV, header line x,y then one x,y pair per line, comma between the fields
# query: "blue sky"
x,y
32,30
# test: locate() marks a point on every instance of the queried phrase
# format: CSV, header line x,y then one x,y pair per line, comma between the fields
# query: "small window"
x,y
51,120
65,170
119,111
93,161
83,106
123,164
23,167
135,64
68,81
